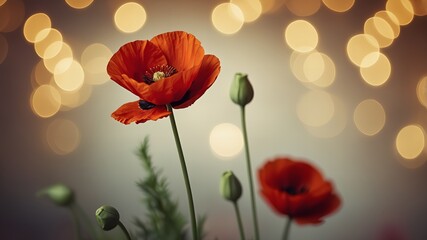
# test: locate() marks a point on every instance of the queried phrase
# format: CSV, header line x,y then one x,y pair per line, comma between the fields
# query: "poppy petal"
x,y
328,206
170,89
134,59
182,50
207,75
131,112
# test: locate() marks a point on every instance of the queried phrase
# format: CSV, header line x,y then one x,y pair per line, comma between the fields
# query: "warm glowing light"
x,y
12,15
314,66
65,56
70,79
50,45
420,7
369,117
41,74
410,141
251,9
315,108
378,73
301,36
328,76
422,91
402,9
339,5
94,61
79,4
73,99
227,18
392,20
63,136
45,101
363,50
226,140
303,8
2,2
271,6
4,48
34,25
381,30
130,17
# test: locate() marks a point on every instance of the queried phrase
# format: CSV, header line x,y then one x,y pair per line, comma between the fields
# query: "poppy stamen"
x,y
291,190
158,72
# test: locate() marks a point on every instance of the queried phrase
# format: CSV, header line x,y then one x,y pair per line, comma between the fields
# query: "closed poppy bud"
x,y
59,194
108,217
241,91
230,187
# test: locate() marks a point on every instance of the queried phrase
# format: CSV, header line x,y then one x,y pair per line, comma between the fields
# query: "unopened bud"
x,y
107,217
59,194
241,91
230,187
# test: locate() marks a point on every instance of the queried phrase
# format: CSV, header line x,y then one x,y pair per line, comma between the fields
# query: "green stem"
x,y
239,220
86,220
287,228
125,231
185,173
77,223
249,168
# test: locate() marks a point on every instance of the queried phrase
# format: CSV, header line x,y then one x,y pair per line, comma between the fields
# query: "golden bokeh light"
x,y
70,79
4,48
392,20
296,62
63,136
130,17
94,61
45,101
314,67
47,43
380,29
271,6
65,56
315,108
422,91
303,8
420,7
378,73
339,5
41,75
12,15
363,50
369,117
74,99
329,72
251,9
402,9
2,2
410,141
301,36
226,140
34,25
227,18
79,4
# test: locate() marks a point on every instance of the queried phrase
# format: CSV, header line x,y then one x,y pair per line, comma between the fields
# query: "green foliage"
x,y
163,219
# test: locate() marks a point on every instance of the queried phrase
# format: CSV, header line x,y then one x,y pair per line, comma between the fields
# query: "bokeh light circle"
x,y
50,44
94,60
378,73
226,140
227,18
301,36
420,7
391,19
422,91
79,4
303,8
45,101
63,136
315,108
65,56
410,141
71,78
363,50
369,117
402,9
339,5
130,17
251,9
381,30
34,25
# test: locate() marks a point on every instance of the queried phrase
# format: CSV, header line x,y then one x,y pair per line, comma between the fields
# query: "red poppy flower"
x,y
297,189
171,68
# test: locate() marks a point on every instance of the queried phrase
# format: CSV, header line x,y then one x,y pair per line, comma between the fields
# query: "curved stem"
x,y
239,221
249,168
287,228
185,173
125,231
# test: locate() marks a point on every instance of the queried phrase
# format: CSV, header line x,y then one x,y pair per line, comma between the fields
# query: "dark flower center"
x,y
144,105
292,190
158,72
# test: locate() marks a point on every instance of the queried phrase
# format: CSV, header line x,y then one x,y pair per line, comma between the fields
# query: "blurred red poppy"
x,y
171,68
297,189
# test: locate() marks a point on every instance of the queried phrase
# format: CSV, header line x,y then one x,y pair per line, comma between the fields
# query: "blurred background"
x,y
339,83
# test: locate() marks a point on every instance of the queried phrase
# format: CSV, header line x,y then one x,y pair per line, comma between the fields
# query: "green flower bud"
x,y
59,194
241,91
230,187
108,217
